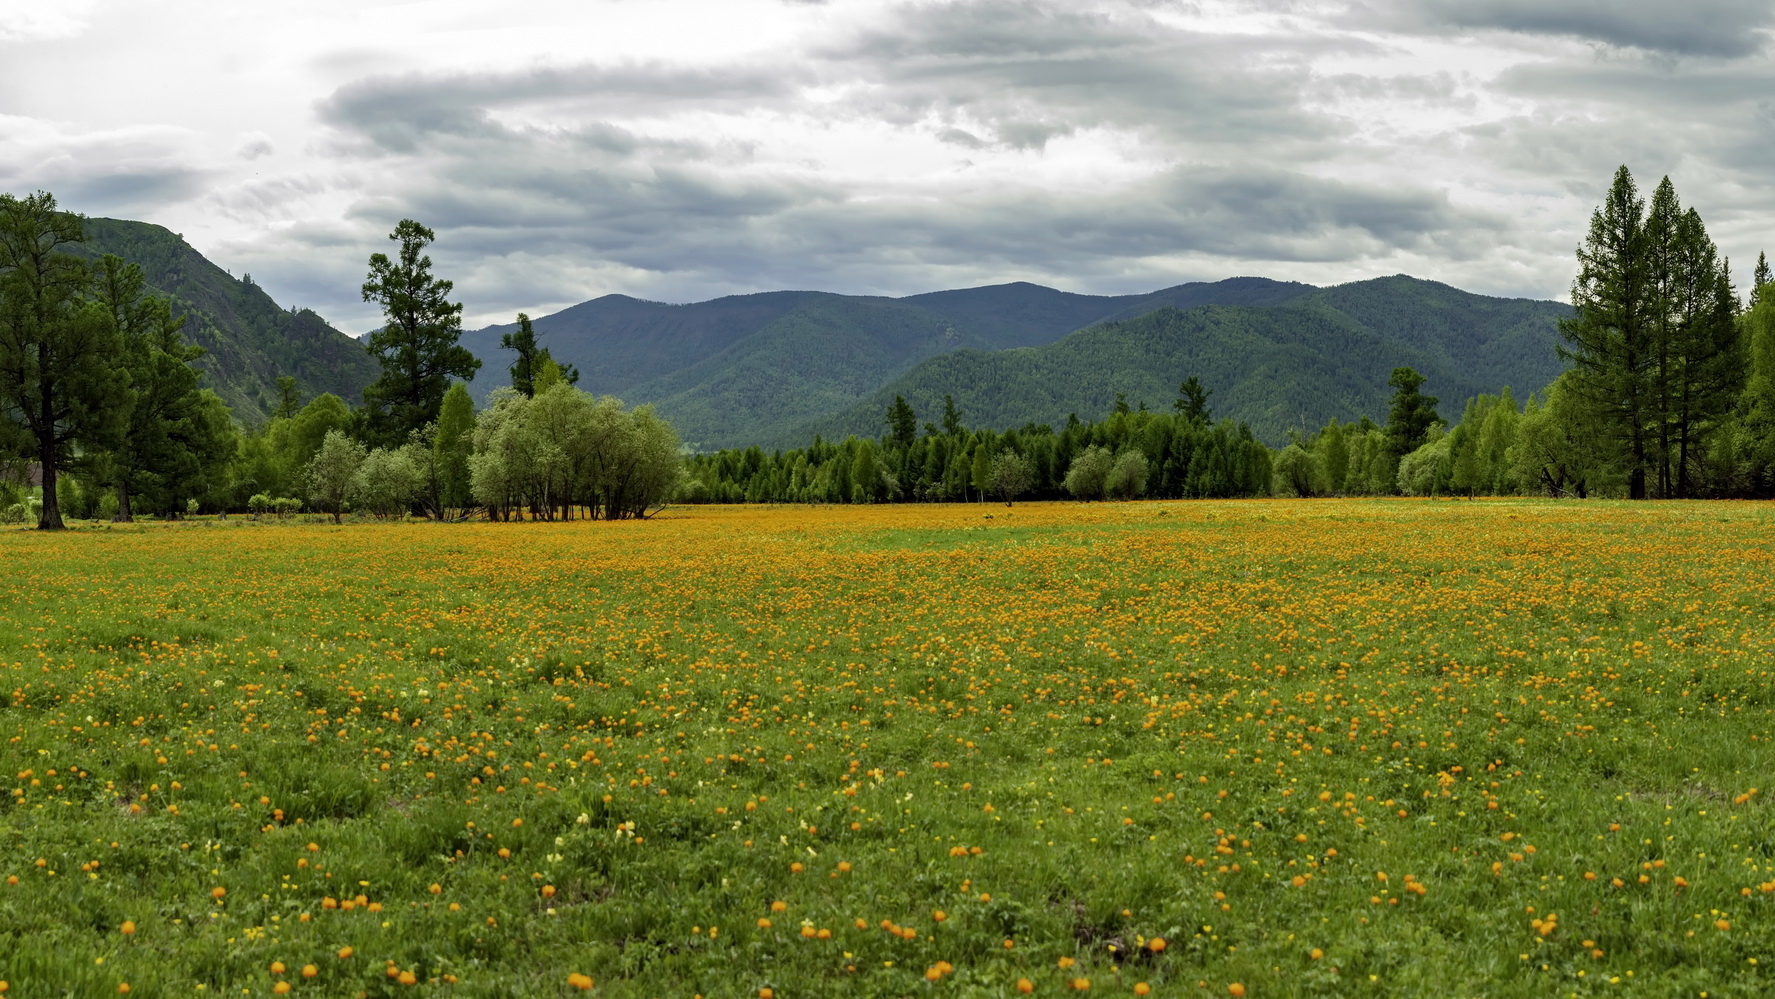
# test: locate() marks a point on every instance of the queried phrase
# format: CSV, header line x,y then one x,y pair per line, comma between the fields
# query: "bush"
x,y
1010,476
1089,470
1127,476
1299,472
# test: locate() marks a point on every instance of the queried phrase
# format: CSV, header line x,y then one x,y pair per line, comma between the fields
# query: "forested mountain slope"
x,y
1322,354
251,340
754,368
618,342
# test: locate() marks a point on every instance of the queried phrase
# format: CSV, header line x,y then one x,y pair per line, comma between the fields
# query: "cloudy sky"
x,y
682,149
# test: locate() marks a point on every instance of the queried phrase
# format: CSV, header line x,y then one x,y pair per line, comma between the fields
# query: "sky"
x,y
679,150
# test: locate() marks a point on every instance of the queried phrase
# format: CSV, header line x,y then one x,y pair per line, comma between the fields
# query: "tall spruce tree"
x,y
951,416
1611,337
1705,351
902,423
1192,401
1758,279
531,358
417,344
523,341
1411,414
58,383
162,444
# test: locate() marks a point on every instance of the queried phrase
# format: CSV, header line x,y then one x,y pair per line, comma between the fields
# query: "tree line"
x,y
100,397
1670,393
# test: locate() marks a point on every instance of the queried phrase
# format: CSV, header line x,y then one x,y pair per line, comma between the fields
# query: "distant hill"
x,y
619,342
1324,353
760,368
251,340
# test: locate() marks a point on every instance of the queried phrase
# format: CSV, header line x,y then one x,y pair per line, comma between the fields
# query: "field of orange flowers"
x,y
1317,748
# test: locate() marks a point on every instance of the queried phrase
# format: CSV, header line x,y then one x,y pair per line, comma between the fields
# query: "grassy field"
x,y
1399,748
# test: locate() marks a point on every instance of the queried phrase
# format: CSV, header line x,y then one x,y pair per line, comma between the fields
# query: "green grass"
x,y
1171,709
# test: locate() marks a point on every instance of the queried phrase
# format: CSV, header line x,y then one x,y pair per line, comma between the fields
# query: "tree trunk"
x,y
50,517
124,514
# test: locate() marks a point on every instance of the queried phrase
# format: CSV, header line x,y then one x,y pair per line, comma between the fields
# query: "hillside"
x,y
812,361
251,340
752,368
618,342
1322,354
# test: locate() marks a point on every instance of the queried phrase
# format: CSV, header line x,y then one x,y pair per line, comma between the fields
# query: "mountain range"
x,y
775,368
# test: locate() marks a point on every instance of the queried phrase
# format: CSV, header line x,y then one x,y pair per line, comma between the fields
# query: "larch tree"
x,y
417,345
1705,372
902,423
161,441
1611,336
1192,401
1411,414
531,357
58,382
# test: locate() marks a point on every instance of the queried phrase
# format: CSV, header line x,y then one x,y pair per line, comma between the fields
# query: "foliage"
x,y
1657,355
171,440
1299,472
1012,475
417,344
332,473
1182,457
565,452
455,438
387,482
1411,415
531,358
1088,473
57,387
1127,475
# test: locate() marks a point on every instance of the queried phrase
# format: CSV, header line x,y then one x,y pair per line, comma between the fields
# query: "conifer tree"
x,y
417,344
58,384
1611,337
1411,414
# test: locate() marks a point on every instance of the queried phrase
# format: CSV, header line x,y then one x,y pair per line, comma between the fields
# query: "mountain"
x,y
1324,353
757,368
250,339
618,342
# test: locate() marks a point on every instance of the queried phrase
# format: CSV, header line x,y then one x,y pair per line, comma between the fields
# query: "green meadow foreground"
x,y
1499,748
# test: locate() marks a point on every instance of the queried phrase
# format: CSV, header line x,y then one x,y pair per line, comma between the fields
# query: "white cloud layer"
x,y
678,150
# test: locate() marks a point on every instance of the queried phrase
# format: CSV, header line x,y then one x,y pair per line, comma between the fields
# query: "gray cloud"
x,y
905,145
399,112
1024,72
1728,28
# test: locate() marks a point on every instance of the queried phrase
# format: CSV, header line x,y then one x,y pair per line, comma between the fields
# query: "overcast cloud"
x,y
680,150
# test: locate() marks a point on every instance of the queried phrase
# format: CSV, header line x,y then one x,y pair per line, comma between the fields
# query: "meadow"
x,y
1248,748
